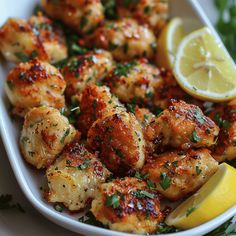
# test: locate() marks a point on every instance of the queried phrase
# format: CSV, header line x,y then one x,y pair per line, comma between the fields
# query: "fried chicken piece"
x,y
125,38
18,42
82,16
182,126
75,177
86,69
119,139
151,12
35,83
134,80
127,205
44,135
51,36
96,102
177,174
225,116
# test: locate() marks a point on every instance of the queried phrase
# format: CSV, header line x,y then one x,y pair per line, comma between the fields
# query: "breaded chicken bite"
x,y
177,174
45,133
151,12
18,42
75,177
51,37
82,16
125,38
119,140
85,69
134,79
96,102
127,205
225,116
35,83
182,126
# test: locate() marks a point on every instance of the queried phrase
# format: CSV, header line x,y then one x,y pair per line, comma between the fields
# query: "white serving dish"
x,y
29,179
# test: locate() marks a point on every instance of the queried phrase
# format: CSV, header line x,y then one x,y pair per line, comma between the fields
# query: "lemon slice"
x,y
216,196
168,42
204,69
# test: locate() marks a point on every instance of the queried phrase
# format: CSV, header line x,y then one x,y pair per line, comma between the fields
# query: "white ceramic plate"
x,y
29,179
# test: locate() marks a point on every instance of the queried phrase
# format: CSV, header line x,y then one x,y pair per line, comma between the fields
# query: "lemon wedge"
x,y
216,196
204,69
168,43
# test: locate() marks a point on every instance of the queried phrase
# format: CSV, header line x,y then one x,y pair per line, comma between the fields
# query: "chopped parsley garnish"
x,y
142,194
195,138
146,9
58,207
89,218
131,107
234,143
118,152
149,94
10,84
233,111
84,165
165,181
112,46
83,22
199,117
94,104
126,48
140,176
22,56
190,210
174,163
78,49
113,201
198,170
124,69
128,2
65,135
221,122
163,228
6,203
109,8
98,138
151,185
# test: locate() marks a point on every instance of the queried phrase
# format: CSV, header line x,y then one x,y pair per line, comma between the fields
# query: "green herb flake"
x,y
113,201
195,138
190,210
198,170
22,56
142,194
67,132
58,207
151,185
146,9
165,181
163,228
84,165
124,69
174,163
83,22
131,107
119,153
78,49
199,117
10,84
